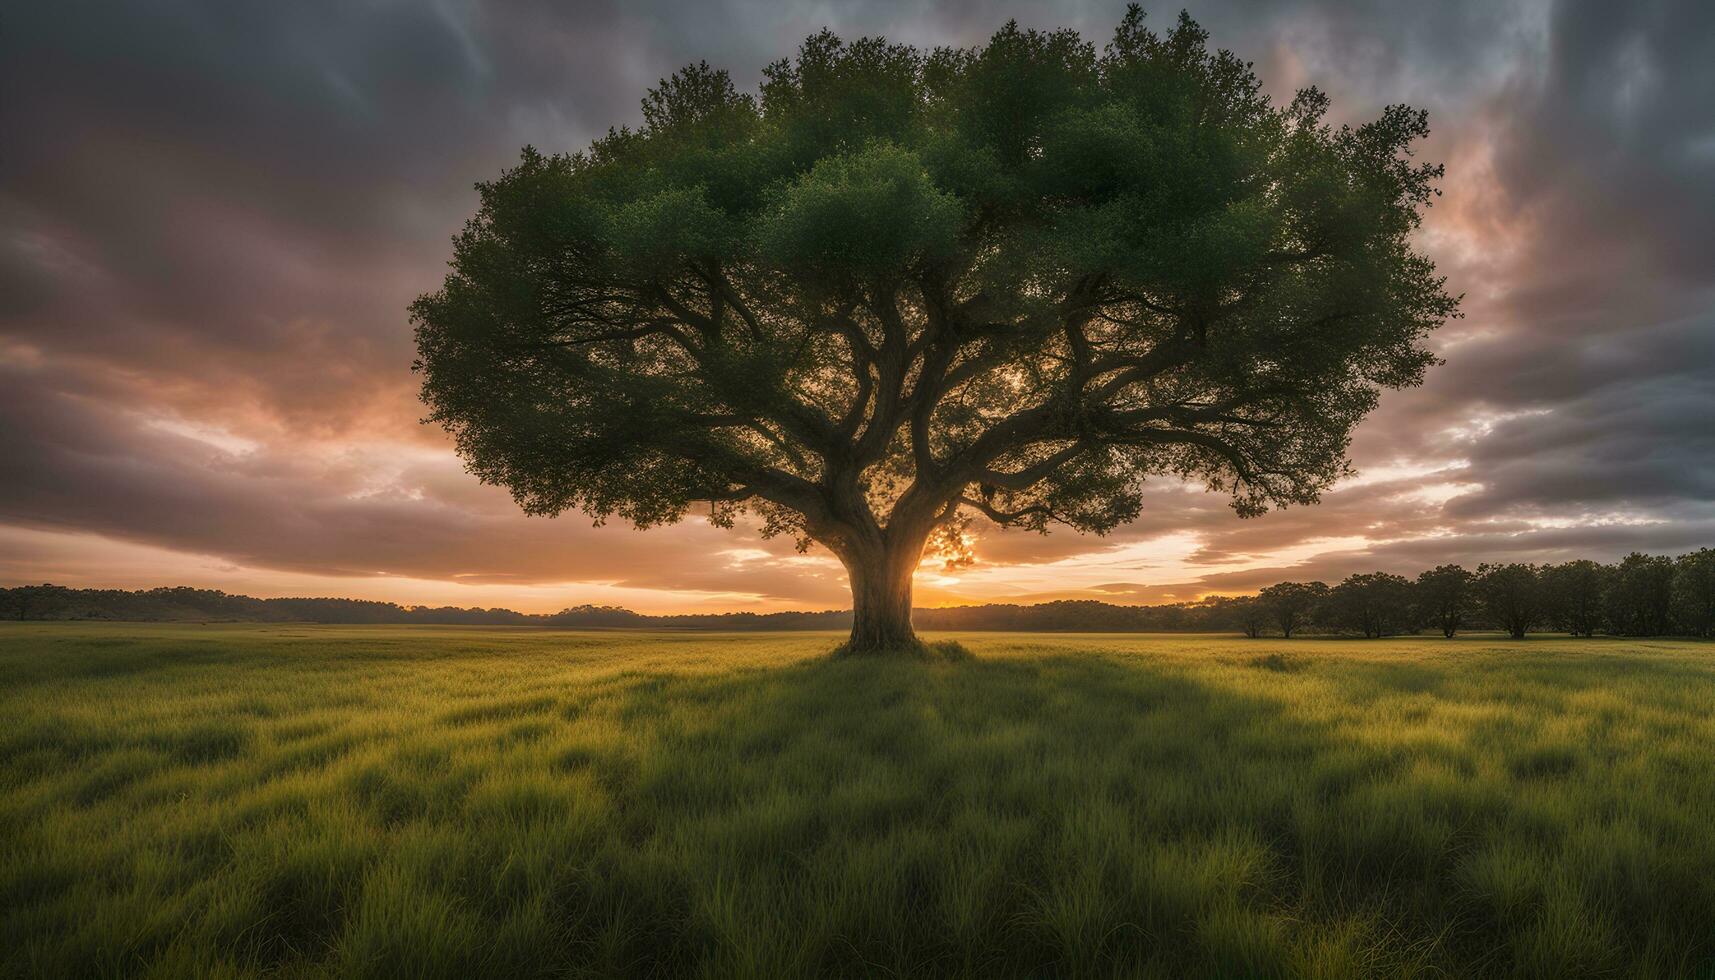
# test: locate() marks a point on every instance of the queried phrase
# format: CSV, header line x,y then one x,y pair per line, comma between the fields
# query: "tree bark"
x,y
881,579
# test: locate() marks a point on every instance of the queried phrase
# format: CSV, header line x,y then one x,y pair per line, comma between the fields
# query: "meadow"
x,y
304,801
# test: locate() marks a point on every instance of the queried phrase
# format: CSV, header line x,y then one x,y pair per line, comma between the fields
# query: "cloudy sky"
x,y
213,215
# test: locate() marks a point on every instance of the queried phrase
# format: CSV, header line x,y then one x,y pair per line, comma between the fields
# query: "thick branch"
x,y
1029,476
1005,517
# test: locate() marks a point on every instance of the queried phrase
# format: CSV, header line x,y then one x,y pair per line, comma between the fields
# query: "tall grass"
x,y
304,801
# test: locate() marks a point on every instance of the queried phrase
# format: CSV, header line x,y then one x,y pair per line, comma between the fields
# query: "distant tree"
x,y
42,602
1694,592
1511,595
1291,604
1374,604
1573,595
904,288
1443,598
1639,600
1251,616
597,616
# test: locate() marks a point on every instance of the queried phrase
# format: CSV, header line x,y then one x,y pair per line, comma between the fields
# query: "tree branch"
x,y
1005,517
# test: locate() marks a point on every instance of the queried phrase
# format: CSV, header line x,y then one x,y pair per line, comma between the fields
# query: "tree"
x,y
1512,596
900,290
1572,595
1292,603
1251,615
1443,598
1640,595
39,602
1694,591
1375,604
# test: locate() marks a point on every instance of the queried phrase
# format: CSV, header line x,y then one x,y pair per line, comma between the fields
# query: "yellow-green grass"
x,y
307,801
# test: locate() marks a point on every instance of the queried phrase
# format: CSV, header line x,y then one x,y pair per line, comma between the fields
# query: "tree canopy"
x,y
1444,598
897,289
1293,604
1372,604
1512,595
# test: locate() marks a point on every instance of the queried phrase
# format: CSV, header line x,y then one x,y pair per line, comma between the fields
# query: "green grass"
x,y
306,801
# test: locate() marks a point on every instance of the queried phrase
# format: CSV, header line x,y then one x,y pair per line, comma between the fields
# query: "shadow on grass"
x,y
1086,814
1042,812
850,816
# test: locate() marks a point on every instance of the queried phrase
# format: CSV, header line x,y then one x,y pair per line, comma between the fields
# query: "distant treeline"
x,y
182,604
1641,595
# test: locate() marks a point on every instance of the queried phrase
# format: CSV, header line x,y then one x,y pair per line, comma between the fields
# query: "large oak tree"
x,y
900,289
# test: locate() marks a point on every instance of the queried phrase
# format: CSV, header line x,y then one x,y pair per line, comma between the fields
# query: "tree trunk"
x,y
881,597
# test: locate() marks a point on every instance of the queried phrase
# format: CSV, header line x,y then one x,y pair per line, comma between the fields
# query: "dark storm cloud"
x,y
1616,160
214,214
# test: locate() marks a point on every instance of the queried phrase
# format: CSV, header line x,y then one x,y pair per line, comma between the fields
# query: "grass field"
x,y
304,801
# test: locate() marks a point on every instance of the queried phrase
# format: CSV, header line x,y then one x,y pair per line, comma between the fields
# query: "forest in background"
x,y
1641,595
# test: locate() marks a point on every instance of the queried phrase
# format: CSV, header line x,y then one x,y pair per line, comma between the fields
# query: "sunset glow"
x,y
205,363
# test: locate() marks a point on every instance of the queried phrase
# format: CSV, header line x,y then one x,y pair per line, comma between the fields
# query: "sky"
x,y
214,214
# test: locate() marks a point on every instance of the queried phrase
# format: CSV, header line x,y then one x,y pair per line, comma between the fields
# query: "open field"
x,y
231,800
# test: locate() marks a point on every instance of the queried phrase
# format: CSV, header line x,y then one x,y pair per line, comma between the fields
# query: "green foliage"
x,y
1372,605
1640,595
1694,592
1444,598
855,217
1512,596
309,801
1293,604
902,287
1573,594
1250,615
